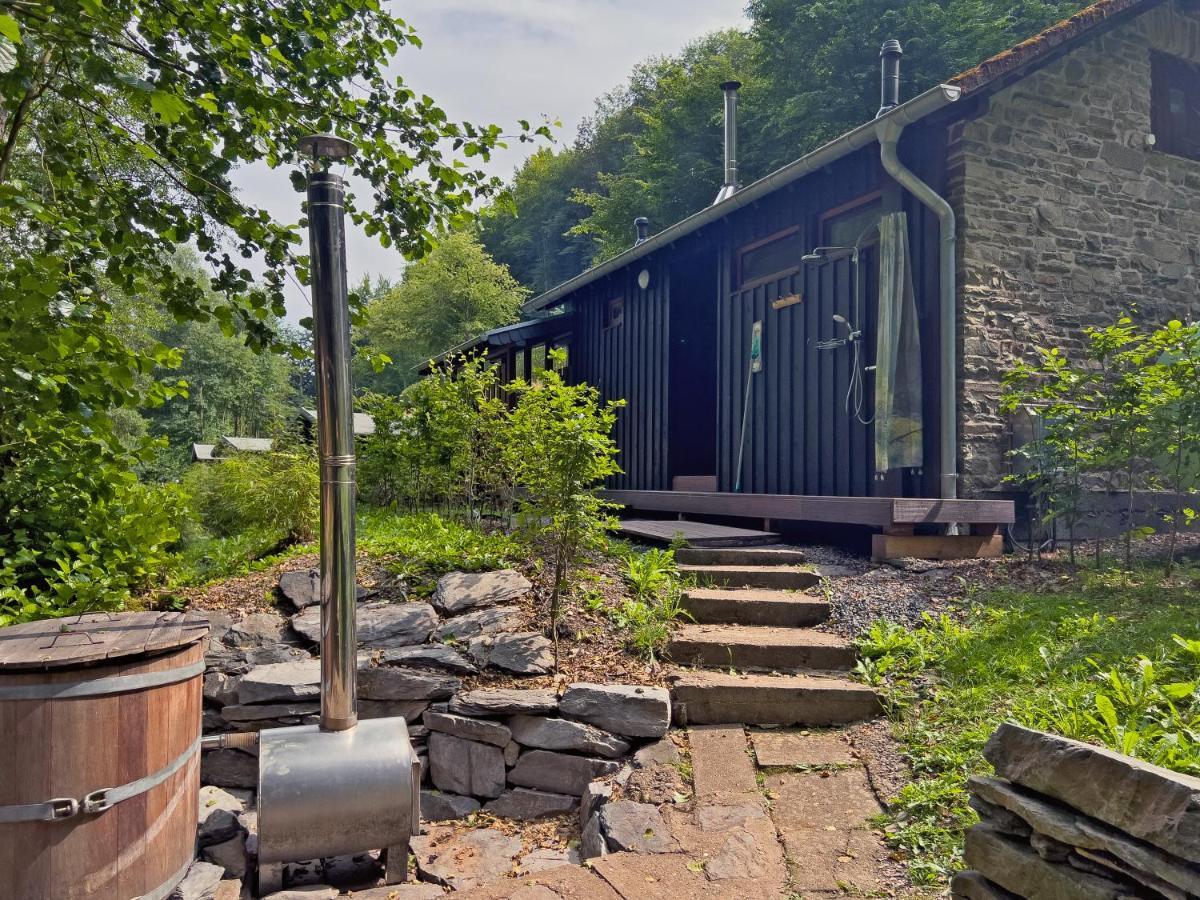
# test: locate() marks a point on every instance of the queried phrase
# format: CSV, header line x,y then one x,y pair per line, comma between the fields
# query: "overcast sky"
x,y
502,60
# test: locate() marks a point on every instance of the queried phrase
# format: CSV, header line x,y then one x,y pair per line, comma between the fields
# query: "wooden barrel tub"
x,y
99,754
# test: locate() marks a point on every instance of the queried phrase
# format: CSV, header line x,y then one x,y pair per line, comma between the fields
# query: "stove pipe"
x,y
731,186
335,446
641,227
889,76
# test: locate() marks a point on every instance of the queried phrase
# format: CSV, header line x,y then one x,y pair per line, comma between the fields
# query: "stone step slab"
x,y
784,609
628,710
740,556
464,860
1012,864
719,698
783,578
557,773
542,733
1148,802
759,647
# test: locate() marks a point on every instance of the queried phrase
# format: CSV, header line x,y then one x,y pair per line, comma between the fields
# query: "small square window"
x,y
1175,105
770,259
614,313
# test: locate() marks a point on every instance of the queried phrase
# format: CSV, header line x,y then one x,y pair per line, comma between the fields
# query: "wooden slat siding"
x,y
878,512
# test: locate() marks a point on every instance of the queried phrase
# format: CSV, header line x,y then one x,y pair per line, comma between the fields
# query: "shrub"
x,y
657,601
277,491
427,545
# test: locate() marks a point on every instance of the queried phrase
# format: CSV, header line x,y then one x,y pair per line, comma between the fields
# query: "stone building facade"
x,y
1068,216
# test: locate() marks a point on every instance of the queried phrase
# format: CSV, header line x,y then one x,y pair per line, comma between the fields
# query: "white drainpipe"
x,y
888,130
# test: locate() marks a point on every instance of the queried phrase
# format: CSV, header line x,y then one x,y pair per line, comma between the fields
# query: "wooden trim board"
x,y
936,546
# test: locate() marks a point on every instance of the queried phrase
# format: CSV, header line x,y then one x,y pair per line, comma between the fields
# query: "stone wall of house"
x,y
1068,218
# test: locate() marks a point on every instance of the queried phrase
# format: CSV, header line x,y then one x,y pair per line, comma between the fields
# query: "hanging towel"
x,y
899,425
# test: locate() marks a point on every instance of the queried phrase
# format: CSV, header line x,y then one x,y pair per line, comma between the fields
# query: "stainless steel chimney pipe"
x,y
335,437
730,187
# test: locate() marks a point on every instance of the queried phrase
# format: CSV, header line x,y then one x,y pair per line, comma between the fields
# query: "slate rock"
x,y
396,683
262,712
229,768
504,702
591,840
302,587
971,885
548,858
738,858
635,827
219,623
484,621
410,891
563,734
1012,865
219,657
429,656
523,653
408,710
1143,800
594,796
558,773
200,882
220,688
464,860
274,653
460,592
217,815
283,682
662,752
630,710
468,728
466,767
378,625
230,855
512,752
526,805
257,629
305,892
437,806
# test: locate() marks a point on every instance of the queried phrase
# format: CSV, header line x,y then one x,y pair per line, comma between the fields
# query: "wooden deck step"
x,y
697,534
715,698
783,578
740,556
757,647
713,606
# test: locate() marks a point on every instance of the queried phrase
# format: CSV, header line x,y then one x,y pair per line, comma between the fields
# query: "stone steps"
x,y
783,578
740,556
758,647
716,698
712,606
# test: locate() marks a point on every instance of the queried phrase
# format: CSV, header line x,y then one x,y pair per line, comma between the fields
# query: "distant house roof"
x,y
202,452
991,74
248,444
363,424
541,328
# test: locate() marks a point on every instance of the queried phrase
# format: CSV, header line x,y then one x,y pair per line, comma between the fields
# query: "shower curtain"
x,y
899,425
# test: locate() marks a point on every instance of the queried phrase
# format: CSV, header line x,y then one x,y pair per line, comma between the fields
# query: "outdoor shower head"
x,y
819,255
840,319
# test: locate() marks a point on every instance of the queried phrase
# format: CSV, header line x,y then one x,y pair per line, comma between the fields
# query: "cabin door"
x,y
692,373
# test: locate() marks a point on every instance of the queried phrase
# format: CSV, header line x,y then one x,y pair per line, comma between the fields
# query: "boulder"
x,y
1148,802
302,588
466,767
257,629
524,804
523,653
217,815
229,768
471,729
505,702
563,734
558,773
460,592
484,621
429,656
437,806
462,861
395,683
635,827
230,855
283,682
662,752
379,625
200,882
630,710
1010,863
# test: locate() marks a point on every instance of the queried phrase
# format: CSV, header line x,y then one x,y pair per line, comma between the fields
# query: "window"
x,y
851,224
1175,105
614,313
537,359
770,259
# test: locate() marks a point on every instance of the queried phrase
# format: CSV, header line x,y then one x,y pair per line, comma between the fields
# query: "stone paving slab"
x,y
720,763
562,883
801,748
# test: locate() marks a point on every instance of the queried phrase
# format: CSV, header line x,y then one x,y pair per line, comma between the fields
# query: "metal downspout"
x,y
888,131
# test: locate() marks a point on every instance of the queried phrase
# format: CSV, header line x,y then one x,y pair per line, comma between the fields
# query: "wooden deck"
x,y
697,534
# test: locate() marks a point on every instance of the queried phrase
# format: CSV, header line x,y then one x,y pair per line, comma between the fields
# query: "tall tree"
x,y
450,295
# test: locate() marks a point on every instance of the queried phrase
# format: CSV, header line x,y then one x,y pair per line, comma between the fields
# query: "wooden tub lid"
x,y
97,637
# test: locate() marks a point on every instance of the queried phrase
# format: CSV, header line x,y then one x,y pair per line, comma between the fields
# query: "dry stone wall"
x,y
1076,822
1067,217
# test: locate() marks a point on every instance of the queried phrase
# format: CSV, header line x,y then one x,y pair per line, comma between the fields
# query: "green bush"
x,y
426,545
277,491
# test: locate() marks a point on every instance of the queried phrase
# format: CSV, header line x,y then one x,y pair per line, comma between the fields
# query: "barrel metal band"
x,y
115,684
164,890
96,801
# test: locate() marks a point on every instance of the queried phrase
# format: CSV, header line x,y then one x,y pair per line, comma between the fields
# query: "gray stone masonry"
x,y
1067,218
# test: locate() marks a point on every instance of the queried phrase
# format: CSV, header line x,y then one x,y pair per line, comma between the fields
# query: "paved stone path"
x,y
792,824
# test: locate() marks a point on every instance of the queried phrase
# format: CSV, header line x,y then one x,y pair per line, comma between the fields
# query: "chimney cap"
x,y
891,46
730,85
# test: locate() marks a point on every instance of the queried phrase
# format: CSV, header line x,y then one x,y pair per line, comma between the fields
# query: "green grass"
x,y
206,559
1094,657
